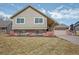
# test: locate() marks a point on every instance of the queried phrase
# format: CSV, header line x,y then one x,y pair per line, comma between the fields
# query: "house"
x,y
5,26
32,20
77,30
61,27
77,27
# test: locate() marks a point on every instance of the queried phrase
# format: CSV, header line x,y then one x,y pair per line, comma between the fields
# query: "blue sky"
x,y
61,12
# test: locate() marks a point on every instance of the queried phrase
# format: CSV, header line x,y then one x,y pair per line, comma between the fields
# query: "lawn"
x,y
36,46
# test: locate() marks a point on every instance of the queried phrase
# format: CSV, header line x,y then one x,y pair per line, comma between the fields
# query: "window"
x,y
38,20
20,20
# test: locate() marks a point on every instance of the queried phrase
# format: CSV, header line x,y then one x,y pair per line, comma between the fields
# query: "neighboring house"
x,y
77,27
5,26
61,27
77,30
30,19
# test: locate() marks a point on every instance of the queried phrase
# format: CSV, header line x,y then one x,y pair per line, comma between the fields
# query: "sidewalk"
x,y
62,34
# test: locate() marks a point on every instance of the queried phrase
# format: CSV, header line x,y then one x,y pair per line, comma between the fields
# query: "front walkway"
x,y
62,34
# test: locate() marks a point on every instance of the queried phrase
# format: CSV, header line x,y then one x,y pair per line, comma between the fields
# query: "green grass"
x,y
36,46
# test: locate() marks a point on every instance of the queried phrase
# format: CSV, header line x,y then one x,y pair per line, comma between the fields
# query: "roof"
x,y
50,20
4,23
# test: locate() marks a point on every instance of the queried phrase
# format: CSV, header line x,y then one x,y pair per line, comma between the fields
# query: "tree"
x,y
6,18
2,17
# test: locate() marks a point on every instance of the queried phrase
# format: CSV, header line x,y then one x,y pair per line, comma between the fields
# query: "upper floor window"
x,y
38,20
20,20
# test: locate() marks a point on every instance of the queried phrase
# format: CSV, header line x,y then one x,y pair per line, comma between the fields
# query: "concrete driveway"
x,y
62,34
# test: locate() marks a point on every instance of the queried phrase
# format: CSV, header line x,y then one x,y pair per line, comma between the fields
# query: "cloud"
x,y
59,7
56,14
43,10
62,13
12,4
5,15
65,13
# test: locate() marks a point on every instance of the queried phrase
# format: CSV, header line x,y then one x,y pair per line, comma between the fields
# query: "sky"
x,y
63,13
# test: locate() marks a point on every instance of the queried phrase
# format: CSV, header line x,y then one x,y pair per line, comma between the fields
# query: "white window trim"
x,y
39,23
20,23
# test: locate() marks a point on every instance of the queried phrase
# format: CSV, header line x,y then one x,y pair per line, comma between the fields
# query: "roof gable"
x,y
49,19
25,9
